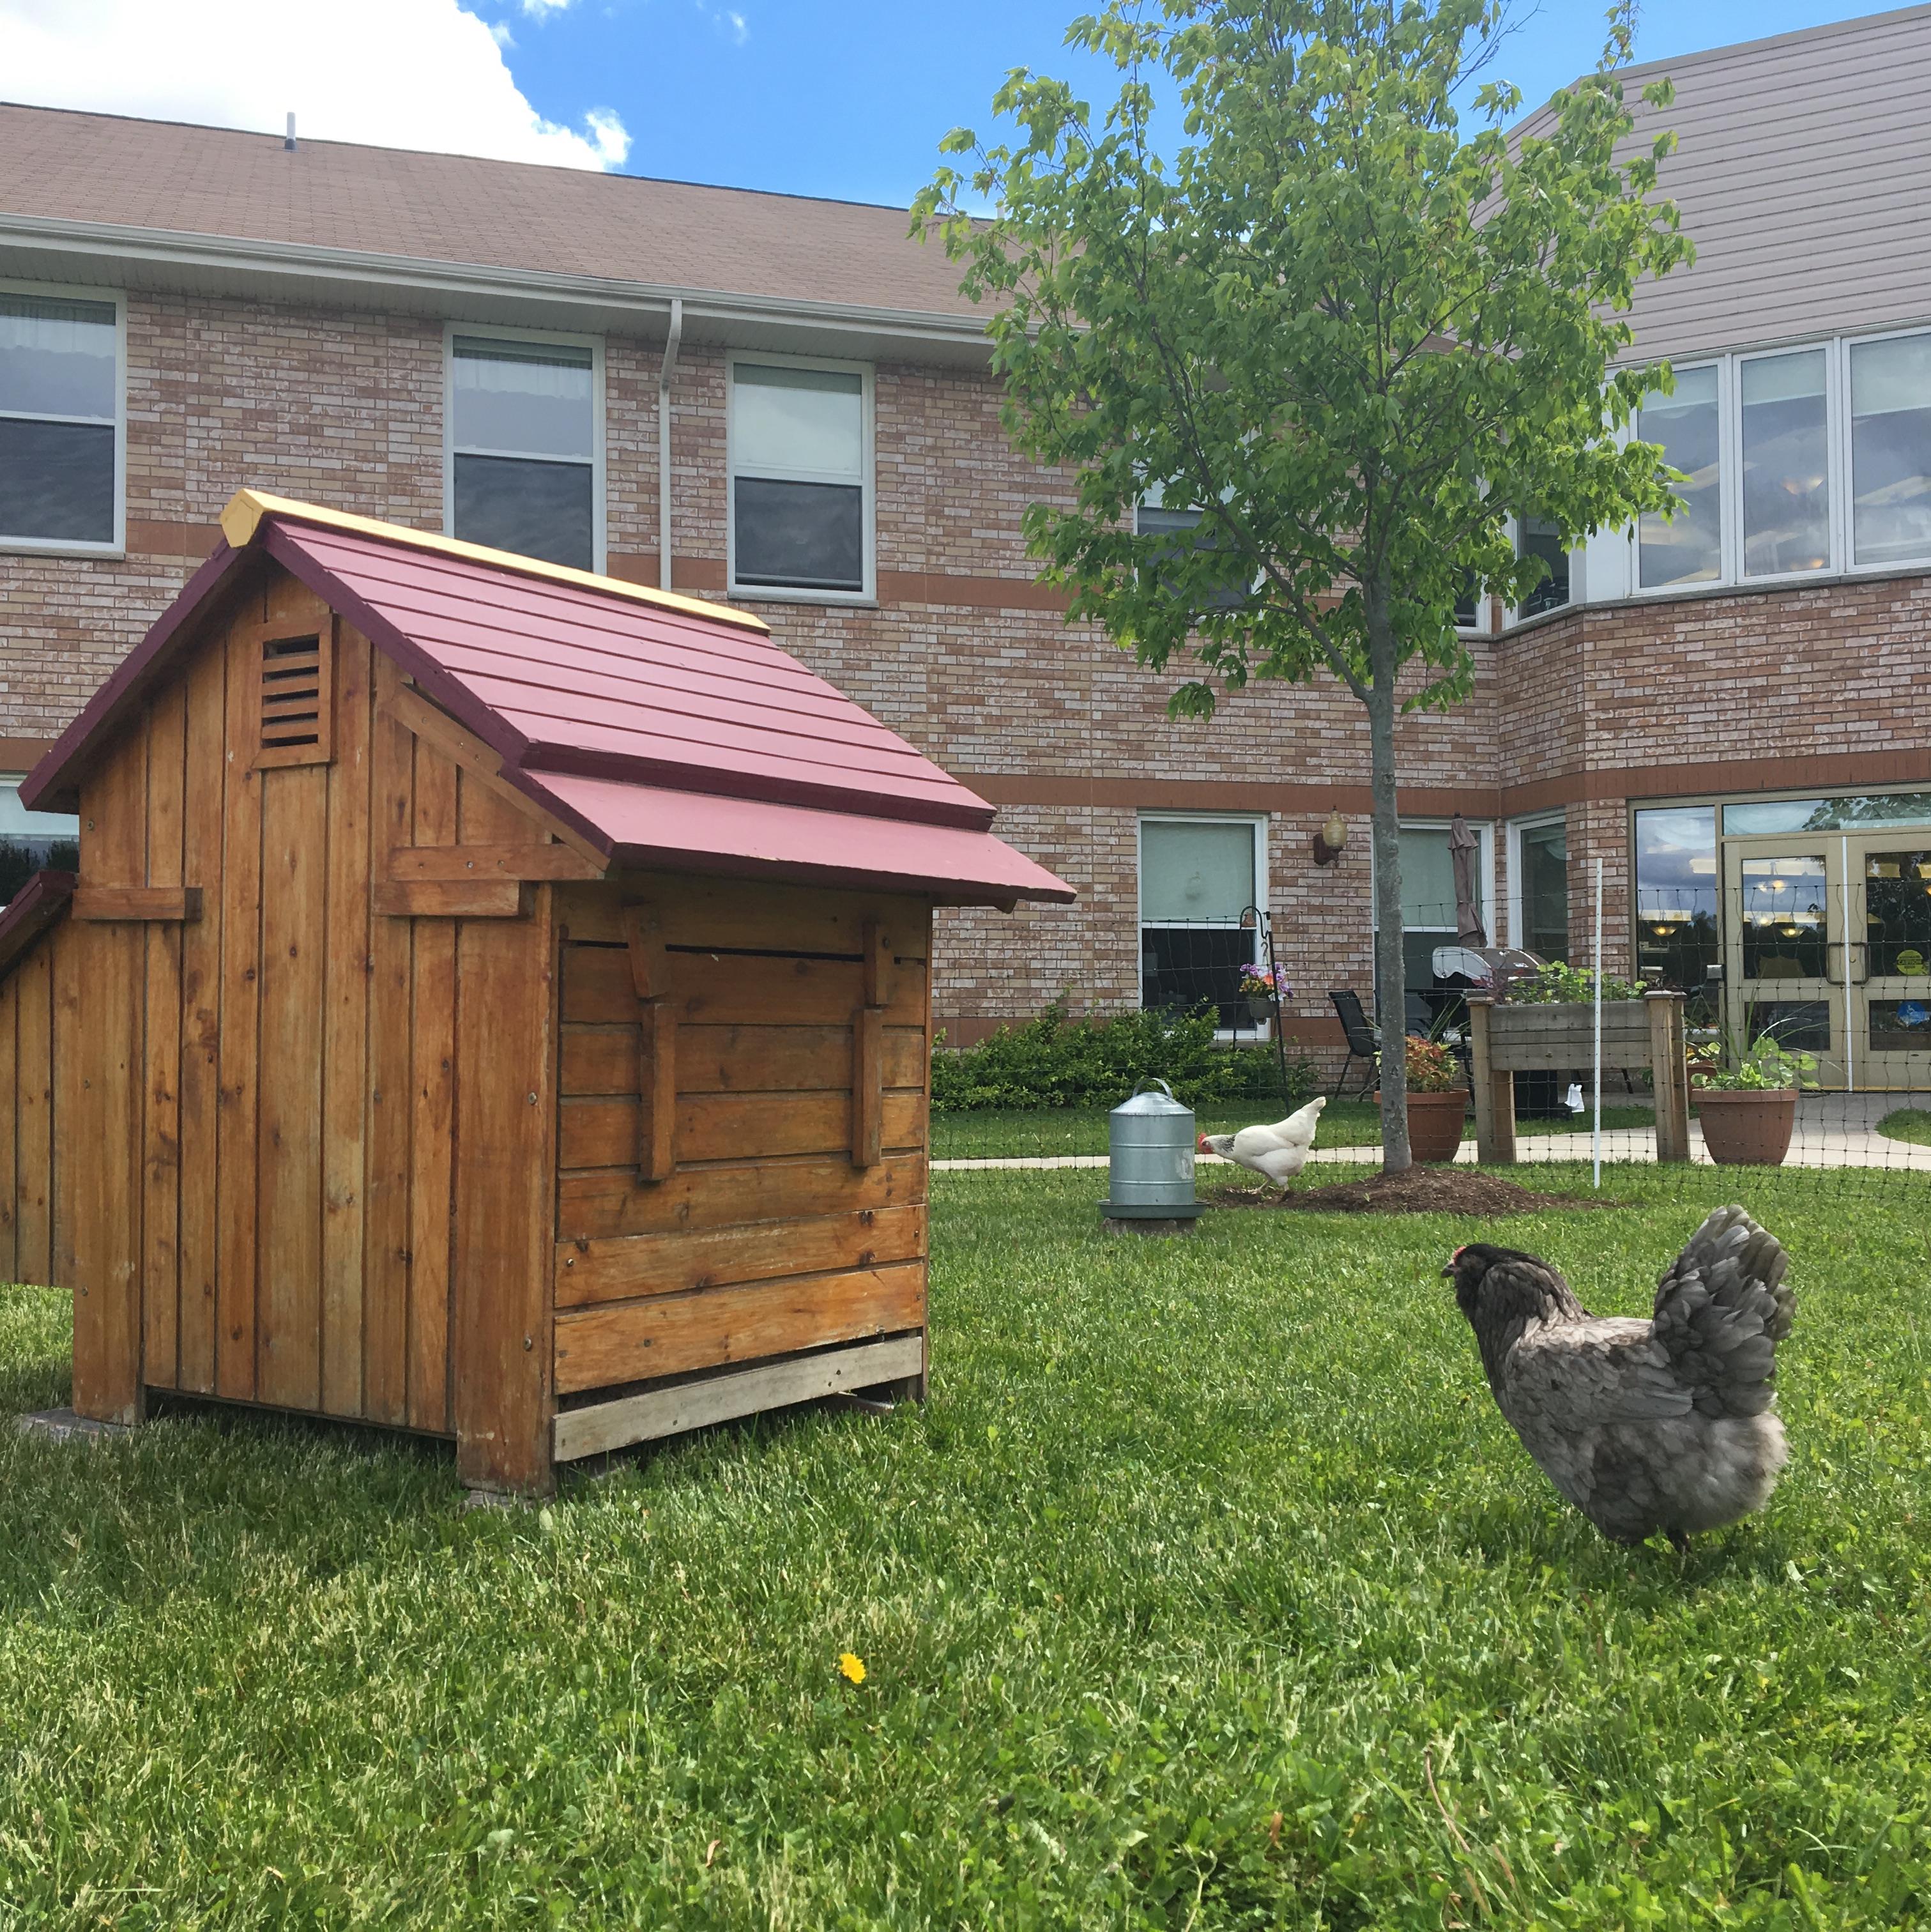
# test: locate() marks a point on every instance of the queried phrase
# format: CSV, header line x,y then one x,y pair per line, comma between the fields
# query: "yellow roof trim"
x,y
246,508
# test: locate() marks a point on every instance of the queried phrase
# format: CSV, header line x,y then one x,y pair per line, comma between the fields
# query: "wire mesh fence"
x,y
1804,976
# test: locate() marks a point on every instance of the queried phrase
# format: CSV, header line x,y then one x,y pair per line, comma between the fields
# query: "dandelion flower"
x,y
851,1668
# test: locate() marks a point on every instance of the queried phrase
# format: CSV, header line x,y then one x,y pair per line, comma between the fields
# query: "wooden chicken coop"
x,y
493,1001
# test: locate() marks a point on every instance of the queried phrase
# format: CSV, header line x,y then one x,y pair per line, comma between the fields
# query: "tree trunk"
x,y
1390,972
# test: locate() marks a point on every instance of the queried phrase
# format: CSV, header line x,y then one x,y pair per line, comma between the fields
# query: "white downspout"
x,y
666,375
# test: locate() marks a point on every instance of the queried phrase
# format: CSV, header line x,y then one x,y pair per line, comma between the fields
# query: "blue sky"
x,y
850,100
838,98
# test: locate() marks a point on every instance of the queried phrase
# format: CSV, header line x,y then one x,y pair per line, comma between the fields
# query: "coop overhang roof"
x,y
659,727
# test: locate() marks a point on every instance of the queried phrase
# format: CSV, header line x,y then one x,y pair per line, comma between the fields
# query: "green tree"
x,y
1355,339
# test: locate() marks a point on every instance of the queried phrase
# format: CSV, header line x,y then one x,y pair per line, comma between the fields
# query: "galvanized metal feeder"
x,y
1151,1164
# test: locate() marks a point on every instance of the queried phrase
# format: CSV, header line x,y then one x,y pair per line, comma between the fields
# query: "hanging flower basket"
x,y
1259,1006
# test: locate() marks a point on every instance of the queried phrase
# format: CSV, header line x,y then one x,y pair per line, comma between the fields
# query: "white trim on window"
x,y
67,546
1516,827
868,522
559,338
1258,820
1484,830
1842,562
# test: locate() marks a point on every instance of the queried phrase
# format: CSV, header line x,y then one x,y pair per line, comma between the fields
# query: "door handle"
x,y
1835,946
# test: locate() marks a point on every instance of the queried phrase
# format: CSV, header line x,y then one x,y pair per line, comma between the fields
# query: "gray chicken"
x,y
1668,1424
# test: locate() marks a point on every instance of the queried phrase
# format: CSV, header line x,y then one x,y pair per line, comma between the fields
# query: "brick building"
x,y
1725,711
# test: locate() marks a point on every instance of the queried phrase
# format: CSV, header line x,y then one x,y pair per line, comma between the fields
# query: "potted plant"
x,y
1264,988
1437,1101
1747,1101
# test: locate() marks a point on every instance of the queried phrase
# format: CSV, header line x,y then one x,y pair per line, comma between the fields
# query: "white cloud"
x,y
740,33
398,73
540,10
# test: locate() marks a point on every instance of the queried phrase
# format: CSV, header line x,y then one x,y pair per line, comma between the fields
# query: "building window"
x,y
1538,881
1540,537
1198,877
1786,466
60,421
1179,532
526,435
1471,606
1890,448
801,477
1429,918
31,841
1689,548
1676,895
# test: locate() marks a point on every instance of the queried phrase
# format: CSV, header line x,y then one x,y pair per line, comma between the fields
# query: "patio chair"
x,y
1363,1043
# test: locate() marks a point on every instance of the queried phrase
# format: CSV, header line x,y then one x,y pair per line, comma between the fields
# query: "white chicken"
x,y
1276,1153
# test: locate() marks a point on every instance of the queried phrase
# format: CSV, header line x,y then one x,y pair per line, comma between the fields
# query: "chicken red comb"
x,y
1458,1254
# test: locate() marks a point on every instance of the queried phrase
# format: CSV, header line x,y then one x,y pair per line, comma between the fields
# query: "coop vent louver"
x,y
295,711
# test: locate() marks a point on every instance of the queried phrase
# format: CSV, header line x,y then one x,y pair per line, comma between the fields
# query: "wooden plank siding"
x,y
235,1136
764,1238
346,1093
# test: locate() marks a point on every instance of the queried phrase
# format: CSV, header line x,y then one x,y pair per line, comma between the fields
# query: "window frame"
x,y
117,545
770,593
1513,616
1534,821
1484,830
1729,427
540,337
1260,822
1842,563
1836,364
1157,816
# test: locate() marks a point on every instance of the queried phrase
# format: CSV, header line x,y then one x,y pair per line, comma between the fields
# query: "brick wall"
x,y
967,659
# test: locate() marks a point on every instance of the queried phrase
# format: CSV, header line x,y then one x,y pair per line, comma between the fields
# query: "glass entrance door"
x,y
1785,941
1891,967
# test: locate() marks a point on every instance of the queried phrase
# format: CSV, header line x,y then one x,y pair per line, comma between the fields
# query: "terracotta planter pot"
x,y
1748,1129
1435,1125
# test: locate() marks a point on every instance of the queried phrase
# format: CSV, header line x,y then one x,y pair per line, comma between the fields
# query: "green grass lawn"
x,y
1907,1123
1003,1134
1208,1590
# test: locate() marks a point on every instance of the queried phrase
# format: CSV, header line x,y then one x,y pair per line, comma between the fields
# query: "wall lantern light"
x,y
1329,840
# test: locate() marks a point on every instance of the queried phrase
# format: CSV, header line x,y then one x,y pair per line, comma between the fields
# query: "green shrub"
x,y
1057,1060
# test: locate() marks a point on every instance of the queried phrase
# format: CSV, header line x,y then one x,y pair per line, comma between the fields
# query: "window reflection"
x,y
1890,448
1688,550
1782,914
1540,537
1786,485
1676,895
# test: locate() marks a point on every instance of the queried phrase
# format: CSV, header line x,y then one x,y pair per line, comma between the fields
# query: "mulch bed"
x,y
1421,1190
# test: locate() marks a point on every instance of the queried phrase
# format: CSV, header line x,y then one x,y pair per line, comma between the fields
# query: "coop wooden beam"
x,y
490,861
604,1425
867,1084
416,714
152,903
876,959
451,898
657,1045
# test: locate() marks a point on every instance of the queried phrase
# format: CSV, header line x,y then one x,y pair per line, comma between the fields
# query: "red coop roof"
x,y
666,730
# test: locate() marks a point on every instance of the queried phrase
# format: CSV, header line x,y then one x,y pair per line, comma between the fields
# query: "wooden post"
x,y
657,1045
1494,1092
1669,1076
877,960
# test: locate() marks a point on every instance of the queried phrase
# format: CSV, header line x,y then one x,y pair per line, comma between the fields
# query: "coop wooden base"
x,y
644,1417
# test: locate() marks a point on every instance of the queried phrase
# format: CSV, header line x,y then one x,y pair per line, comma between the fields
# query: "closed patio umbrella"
x,y
1463,847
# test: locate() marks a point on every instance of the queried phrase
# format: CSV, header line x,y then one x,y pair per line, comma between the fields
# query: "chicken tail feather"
x,y
1721,1309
